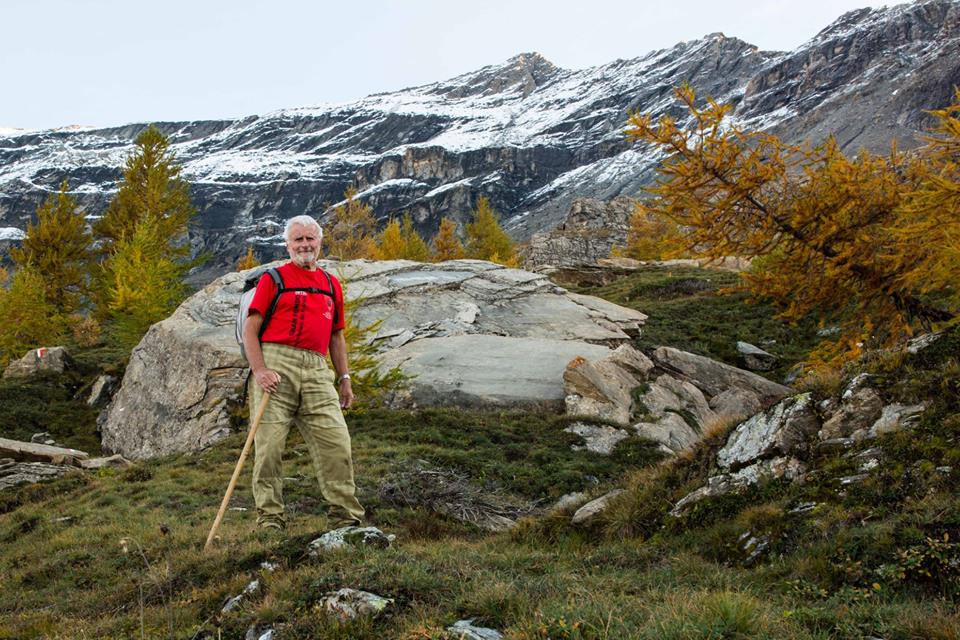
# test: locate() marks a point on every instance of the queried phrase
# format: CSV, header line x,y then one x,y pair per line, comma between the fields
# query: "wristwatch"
x,y
345,376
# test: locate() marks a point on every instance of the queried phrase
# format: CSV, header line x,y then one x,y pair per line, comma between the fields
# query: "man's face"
x,y
303,245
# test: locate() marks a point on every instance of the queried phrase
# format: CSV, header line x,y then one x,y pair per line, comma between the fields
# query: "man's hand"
x,y
346,394
268,379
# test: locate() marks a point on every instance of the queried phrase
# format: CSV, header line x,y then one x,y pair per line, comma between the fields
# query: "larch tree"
x,y
372,382
486,239
351,231
143,283
653,237
391,245
151,187
248,261
927,233
399,240
414,248
446,244
143,231
825,225
28,319
59,247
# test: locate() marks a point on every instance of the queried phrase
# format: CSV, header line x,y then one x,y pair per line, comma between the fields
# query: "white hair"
x,y
304,220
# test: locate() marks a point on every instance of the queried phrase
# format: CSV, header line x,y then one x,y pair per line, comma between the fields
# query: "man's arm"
x,y
266,378
338,354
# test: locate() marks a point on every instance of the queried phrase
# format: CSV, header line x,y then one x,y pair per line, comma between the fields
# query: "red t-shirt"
x,y
301,319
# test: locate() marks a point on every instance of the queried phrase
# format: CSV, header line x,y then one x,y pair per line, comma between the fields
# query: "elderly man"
x,y
287,360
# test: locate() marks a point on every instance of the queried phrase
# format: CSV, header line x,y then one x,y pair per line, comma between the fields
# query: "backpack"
x,y
250,289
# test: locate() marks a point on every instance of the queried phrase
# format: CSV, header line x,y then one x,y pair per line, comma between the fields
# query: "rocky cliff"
x,y
529,135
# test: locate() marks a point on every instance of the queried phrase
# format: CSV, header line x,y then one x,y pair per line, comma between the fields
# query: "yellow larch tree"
x,y
927,231
446,244
829,227
59,247
653,237
390,245
351,231
248,261
414,248
143,284
28,319
486,239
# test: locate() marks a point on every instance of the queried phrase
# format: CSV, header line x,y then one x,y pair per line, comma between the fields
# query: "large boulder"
x,y
471,333
486,370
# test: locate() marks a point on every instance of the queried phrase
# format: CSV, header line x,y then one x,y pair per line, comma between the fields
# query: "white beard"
x,y
304,259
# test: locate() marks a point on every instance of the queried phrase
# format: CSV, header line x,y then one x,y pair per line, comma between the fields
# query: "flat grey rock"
x,y
487,371
13,474
714,377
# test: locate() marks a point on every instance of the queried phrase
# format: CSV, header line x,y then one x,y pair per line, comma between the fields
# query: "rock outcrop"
x,y
782,430
775,444
590,231
472,333
670,399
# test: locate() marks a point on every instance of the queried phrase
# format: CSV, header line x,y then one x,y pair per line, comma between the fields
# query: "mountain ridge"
x,y
527,134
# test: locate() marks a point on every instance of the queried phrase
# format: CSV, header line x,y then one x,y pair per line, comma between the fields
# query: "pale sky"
x,y
112,62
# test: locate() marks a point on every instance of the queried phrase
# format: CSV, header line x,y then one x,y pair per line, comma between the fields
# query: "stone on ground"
x,y
37,361
350,604
351,537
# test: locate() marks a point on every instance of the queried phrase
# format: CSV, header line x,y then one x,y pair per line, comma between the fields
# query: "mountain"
x,y
527,134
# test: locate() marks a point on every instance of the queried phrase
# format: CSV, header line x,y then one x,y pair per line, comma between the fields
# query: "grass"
x,y
118,553
695,310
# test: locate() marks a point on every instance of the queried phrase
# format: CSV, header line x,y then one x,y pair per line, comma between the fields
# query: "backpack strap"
x,y
336,309
278,284
280,289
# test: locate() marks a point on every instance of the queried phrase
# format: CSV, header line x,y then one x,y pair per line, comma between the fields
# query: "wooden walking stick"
x,y
236,472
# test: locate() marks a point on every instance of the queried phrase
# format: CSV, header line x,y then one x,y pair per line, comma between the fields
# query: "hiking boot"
x,y
270,530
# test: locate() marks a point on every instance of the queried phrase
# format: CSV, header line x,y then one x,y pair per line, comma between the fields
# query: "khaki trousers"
x,y
306,398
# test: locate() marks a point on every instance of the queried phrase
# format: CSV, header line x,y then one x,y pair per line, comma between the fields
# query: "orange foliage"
x,y
869,241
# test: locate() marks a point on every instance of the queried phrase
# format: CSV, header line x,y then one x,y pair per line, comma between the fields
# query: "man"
x,y
288,361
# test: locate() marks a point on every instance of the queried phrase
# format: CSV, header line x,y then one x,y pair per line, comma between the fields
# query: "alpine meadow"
x,y
666,348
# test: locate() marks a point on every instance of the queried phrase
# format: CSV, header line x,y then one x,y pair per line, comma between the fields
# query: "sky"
x,y
112,62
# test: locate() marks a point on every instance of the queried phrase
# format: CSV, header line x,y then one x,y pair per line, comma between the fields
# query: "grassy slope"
x,y
867,561
697,310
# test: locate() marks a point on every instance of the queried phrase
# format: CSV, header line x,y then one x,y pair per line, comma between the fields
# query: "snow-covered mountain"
x,y
527,134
